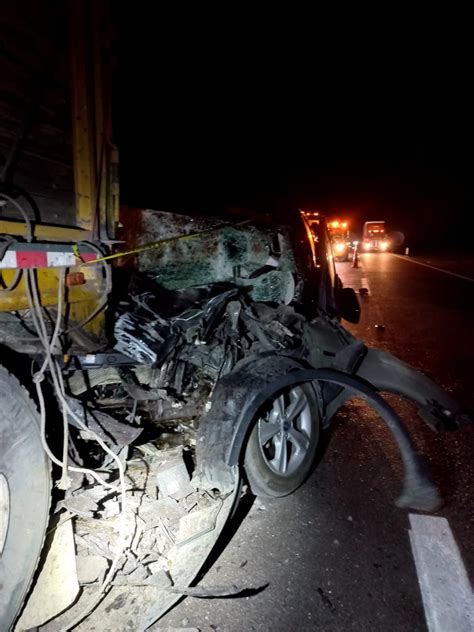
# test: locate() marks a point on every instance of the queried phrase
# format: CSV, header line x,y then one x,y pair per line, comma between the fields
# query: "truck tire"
x,y
25,492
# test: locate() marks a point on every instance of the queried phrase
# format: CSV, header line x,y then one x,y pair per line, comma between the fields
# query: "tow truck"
x,y
144,382
340,238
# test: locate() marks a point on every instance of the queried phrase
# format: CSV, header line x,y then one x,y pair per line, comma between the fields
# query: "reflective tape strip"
x,y
9,260
58,259
14,259
88,256
31,259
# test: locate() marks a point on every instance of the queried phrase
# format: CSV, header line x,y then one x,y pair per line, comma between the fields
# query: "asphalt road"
x,y
336,555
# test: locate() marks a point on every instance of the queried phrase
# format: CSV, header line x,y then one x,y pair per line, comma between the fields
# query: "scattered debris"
x,y
90,568
171,629
164,512
218,592
325,599
105,426
196,523
172,477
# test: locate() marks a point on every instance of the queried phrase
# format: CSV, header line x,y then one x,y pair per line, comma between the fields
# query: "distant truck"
x,y
374,237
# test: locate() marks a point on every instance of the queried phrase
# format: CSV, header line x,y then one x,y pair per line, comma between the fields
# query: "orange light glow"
x,y
338,224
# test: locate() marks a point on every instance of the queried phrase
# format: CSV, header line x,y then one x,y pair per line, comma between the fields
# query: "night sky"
x,y
273,124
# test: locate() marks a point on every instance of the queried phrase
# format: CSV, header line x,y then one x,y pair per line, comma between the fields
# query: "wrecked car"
x,y
222,360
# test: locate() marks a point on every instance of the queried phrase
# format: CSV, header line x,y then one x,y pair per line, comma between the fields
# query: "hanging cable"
x,y
51,364
21,210
56,375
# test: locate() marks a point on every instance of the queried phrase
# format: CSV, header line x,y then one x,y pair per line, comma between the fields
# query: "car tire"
x,y
282,444
25,492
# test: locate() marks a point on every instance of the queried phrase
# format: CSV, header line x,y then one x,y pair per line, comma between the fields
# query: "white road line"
x,y
364,283
445,588
460,276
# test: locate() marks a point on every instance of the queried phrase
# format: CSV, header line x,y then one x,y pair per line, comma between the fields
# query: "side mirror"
x,y
348,304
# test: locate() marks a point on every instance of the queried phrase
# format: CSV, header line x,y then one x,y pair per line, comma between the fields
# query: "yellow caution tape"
x,y
77,254
156,244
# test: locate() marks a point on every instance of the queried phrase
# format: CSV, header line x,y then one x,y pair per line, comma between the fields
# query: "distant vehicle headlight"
x,y
366,245
384,245
339,248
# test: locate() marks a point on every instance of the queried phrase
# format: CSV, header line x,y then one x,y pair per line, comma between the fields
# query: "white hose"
x,y
56,375
38,321
57,378
29,225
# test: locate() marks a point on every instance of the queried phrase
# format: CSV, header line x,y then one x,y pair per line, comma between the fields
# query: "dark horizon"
x,y
218,131
429,205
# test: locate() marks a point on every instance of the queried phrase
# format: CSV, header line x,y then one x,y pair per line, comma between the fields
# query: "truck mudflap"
x,y
240,395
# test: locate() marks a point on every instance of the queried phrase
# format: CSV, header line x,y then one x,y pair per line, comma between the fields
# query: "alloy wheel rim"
x,y
286,431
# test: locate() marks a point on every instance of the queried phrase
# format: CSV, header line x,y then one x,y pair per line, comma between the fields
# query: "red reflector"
x,y
75,278
31,259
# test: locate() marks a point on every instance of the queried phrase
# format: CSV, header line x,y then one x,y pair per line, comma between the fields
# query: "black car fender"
x,y
238,398
387,373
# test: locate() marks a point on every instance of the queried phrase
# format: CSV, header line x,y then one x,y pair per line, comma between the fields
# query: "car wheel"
x,y
283,441
24,496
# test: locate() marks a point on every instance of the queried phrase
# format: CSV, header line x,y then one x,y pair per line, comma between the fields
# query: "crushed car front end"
x,y
224,361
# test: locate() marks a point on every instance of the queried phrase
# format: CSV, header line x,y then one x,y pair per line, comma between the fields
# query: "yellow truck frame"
x,y
95,160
